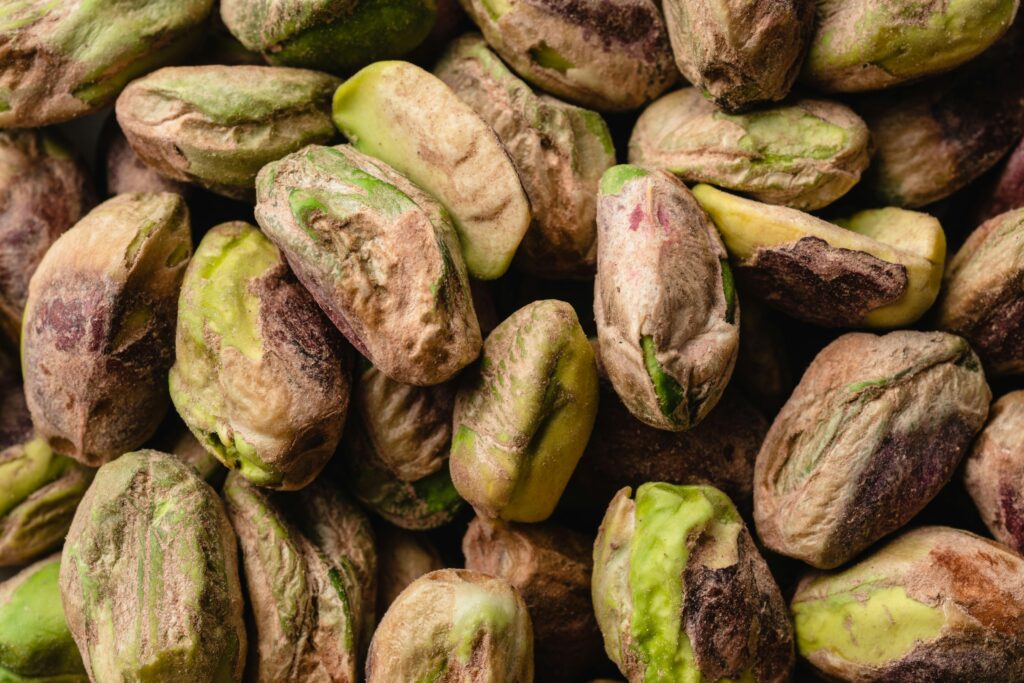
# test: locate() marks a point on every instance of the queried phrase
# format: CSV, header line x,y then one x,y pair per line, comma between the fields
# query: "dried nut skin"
x,y
935,604
876,427
681,592
1007,192
666,309
217,126
378,255
395,110
149,576
560,151
609,56
310,570
524,413
35,643
878,268
402,557
43,192
804,154
740,53
333,36
126,172
994,471
550,567
457,626
981,298
98,336
871,44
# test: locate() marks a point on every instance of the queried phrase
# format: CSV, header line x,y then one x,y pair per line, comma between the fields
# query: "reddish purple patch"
x,y
664,220
1011,505
636,218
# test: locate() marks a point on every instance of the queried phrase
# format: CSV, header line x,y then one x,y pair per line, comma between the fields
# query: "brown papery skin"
x,y
402,557
1007,193
994,471
126,172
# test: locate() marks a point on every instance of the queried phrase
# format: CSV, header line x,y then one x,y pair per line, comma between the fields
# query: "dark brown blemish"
x,y
998,334
957,660
1011,511
623,22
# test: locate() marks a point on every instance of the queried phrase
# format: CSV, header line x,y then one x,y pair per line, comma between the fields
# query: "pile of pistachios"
x,y
501,341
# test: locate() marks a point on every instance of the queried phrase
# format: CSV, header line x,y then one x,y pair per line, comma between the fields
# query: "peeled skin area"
x,y
666,310
61,60
871,44
982,293
559,150
805,154
741,53
878,268
454,625
98,336
261,376
378,255
682,594
994,471
402,557
149,576
524,414
609,56
876,427
935,604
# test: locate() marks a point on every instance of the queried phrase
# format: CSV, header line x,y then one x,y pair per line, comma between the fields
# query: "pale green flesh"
x,y
670,394
785,134
476,611
616,177
22,476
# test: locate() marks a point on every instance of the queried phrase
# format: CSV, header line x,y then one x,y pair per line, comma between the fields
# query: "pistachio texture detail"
x,y
125,172
1007,192
402,557
876,427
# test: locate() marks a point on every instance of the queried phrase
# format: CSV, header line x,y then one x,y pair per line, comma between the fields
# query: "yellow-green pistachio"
x,y
457,626
876,427
310,570
396,110
560,151
740,53
379,256
804,154
125,171
666,309
878,268
66,58
935,604
524,413
149,576
402,557
217,126
98,335
610,56
682,593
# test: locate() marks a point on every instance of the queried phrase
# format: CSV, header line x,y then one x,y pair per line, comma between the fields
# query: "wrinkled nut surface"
x,y
994,471
402,557
260,375
681,592
740,53
609,56
454,625
982,297
870,44
876,427
666,309
395,110
149,575
125,172
805,154
935,604
550,567
35,643
878,268
310,571
217,126
379,256
98,337
524,413
560,151
186,447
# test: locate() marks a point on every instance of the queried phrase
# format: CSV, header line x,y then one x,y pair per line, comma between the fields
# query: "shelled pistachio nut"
x,y
149,575
524,413
681,592
666,309
395,110
260,376
935,604
876,427
402,557
878,268
454,625
560,151
183,444
804,154
98,336
379,256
